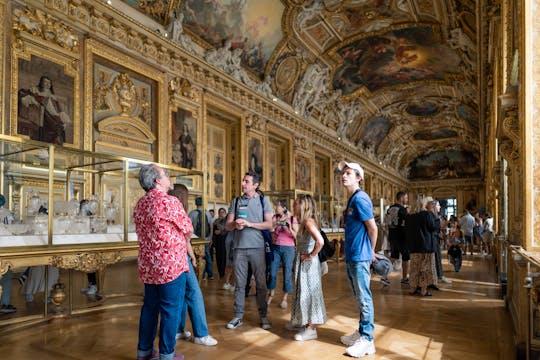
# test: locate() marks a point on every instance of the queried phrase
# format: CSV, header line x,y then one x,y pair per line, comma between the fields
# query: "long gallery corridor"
x,y
464,320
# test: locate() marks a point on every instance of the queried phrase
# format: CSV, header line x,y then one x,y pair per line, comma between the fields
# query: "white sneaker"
x,y
361,347
234,323
265,323
227,286
306,334
205,340
90,290
184,335
445,280
350,339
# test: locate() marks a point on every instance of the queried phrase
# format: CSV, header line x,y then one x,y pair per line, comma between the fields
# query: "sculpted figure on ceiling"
x,y
309,12
230,61
311,87
459,40
176,31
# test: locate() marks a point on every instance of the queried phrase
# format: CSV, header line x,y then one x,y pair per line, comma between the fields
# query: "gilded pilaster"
x,y
3,49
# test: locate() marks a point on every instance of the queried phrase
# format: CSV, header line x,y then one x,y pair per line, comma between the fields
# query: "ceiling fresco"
x,y
396,57
253,26
445,164
395,78
423,109
435,134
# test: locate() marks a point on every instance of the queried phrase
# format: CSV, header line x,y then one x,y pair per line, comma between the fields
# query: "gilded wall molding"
x,y
302,143
4,267
3,50
255,123
42,26
86,262
509,136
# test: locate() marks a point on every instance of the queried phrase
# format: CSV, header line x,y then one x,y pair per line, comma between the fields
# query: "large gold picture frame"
x,y
303,167
185,136
44,95
125,103
256,146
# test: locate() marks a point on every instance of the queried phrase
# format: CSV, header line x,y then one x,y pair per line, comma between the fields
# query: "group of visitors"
x,y
166,261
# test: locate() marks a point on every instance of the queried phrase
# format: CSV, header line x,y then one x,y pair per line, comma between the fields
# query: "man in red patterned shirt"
x,y
163,228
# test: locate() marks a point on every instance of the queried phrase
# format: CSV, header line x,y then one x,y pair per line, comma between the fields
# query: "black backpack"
x,y
197,230
327,250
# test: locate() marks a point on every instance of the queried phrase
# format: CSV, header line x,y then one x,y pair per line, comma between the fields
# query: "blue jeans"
x,y
209,267
285,255
359,277
165,300
6,283
194,303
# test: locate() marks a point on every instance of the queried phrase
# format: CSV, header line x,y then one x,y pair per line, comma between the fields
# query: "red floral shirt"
x,y
162,227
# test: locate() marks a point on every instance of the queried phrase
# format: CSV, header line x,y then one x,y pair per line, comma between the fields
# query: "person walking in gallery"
x,y
395,218
360,240
307,308
435,208
196,219
163,229
247,216
489,232
466,224
218,240
193,300
284,236
419,233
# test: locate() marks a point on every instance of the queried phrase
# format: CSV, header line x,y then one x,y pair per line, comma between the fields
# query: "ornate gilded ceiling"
x,y
395,78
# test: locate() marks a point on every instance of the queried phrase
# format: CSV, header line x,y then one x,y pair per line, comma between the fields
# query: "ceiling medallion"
x,y
287,74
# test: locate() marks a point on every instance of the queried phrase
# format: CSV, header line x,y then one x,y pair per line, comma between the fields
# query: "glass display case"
x,y
66,212
56,196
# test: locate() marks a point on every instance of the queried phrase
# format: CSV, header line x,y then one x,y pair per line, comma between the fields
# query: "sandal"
x,y
283,304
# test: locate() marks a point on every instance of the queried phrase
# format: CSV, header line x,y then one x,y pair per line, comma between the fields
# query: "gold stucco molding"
x,y
509,135
255,122
44,26
86,262
4,267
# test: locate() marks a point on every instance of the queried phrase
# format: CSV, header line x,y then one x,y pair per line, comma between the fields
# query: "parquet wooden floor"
x,y
464,320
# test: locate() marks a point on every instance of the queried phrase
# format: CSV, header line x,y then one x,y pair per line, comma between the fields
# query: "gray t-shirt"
x,y
251,210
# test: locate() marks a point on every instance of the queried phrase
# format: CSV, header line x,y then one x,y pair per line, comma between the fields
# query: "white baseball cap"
x,y
355,166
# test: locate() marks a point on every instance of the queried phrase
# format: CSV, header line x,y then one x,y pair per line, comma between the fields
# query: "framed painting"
x,y
302,166
44,96
255,155
125,97
184,138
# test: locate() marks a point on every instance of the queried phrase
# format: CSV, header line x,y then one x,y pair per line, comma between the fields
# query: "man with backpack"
x,y
196,219
247,216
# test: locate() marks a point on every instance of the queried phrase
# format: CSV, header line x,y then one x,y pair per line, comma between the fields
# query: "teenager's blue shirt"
x,y
357,242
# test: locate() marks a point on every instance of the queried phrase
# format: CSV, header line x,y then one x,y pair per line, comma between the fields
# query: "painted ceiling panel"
x,y
396,57
253,26
445,164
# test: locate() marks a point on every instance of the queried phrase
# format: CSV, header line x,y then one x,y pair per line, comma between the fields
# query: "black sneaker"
x,y
6,309
234,323
405,281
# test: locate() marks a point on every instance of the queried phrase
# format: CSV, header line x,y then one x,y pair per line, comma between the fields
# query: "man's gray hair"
x,y
147,176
